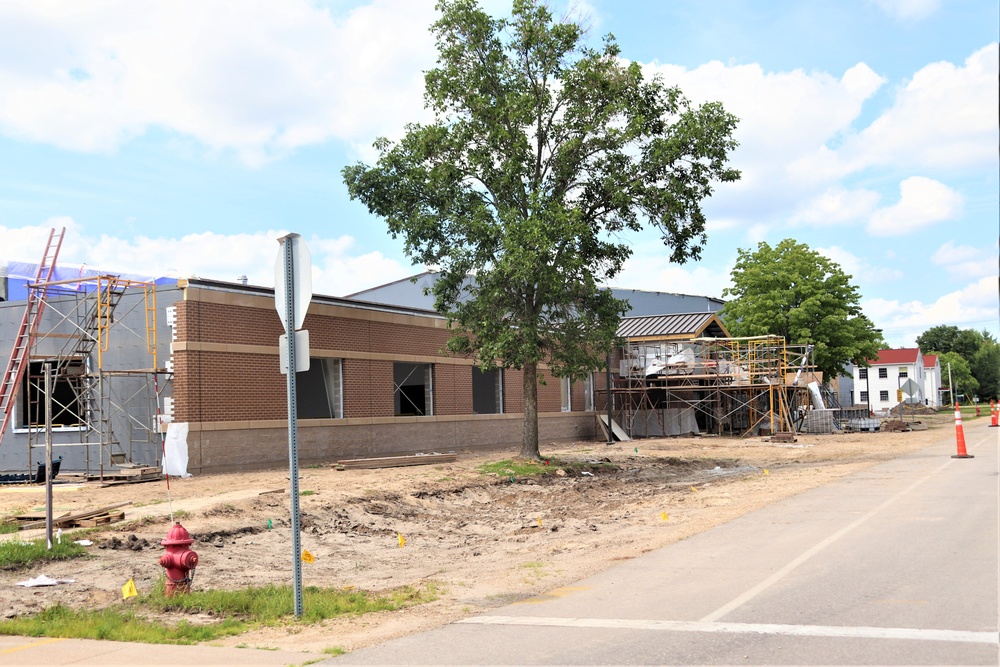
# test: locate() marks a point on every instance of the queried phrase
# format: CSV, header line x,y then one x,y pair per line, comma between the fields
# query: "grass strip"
x,y
18,555
238,611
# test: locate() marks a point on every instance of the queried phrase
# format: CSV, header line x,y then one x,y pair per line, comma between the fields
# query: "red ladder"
x,y
29,325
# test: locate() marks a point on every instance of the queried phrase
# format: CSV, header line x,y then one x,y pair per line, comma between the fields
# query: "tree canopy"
x,y
794,292
965,386
978,350
543,154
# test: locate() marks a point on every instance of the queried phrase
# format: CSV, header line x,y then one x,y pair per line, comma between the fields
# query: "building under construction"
x,y
84,372
680,374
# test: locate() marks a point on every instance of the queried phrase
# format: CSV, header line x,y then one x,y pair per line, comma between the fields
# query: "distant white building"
x,y
932,381
878,386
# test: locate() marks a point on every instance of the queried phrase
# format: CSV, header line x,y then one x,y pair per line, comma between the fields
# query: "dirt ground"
x,y
482,540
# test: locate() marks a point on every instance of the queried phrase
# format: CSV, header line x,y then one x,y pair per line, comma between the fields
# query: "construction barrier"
x,y
994,414
960,436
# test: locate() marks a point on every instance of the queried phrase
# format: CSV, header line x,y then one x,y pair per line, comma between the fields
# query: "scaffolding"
x,y
726,386
99,337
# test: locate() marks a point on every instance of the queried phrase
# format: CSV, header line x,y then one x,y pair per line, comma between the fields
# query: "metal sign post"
x,y
48,455
292,293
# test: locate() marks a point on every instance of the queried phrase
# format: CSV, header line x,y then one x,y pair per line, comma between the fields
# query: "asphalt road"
x,y
895,565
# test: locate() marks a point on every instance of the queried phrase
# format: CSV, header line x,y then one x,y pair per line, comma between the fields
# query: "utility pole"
x,y
951,387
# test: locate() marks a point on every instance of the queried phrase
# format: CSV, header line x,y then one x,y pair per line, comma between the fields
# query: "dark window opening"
x,y
487,391
862,373
883,373
319,390
413,394
883,396
67,388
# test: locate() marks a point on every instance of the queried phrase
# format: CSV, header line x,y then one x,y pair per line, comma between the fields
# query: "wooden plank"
x,y
617,430
101,519
396,461
65,519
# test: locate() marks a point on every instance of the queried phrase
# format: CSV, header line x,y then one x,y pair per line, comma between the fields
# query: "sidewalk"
x,y
54,651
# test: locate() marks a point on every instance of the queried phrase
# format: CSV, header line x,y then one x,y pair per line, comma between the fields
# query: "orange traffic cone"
x,y
994,414
960,436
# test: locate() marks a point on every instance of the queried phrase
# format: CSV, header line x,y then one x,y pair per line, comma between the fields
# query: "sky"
x,y
184,138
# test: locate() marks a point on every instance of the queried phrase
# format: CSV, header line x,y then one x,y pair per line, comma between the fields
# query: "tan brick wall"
x,y
226,373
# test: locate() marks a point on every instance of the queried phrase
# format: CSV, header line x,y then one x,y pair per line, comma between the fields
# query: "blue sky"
x,y
184,138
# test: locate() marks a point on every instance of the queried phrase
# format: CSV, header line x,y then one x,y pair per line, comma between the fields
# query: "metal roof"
x,y
678,325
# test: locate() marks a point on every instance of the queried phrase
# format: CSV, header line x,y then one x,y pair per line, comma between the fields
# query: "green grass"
x,y
529,468
334,650
307,492
8,527
17,555
238,611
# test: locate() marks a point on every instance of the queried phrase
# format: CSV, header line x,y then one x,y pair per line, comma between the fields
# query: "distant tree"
x,y
965,385
946,338
985,367
542,154
797,293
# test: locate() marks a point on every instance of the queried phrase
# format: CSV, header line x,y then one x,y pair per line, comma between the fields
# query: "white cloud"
x,y
943,118
339,267
972,307
837,205
922,202
966,261
860,271
255,77
654,272
909,10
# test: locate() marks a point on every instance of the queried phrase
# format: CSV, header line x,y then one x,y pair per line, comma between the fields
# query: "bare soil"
x,y
482,540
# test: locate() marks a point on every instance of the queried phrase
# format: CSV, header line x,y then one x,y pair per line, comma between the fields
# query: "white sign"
x,y
300,276
301,351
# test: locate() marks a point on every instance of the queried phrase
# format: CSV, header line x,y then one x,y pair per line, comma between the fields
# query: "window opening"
x,y
588,393
883,373
903,373
413,393
319,390
863,397
487,391
862,373
565,390
883,395
68,385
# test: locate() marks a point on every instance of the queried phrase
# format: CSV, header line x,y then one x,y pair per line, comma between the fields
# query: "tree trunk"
x,y
529,438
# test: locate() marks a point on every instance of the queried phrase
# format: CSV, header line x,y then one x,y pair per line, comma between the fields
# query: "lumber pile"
x,y
396,461
88,519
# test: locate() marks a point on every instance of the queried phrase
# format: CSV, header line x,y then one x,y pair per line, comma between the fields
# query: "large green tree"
x,y
794,292
947,338
542,154
977,348
985,366
965,385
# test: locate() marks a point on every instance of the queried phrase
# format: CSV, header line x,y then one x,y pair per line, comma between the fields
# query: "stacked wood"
x,y
396,461
86,519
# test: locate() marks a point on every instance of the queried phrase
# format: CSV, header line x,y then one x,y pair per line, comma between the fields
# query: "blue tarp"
x,y
20,274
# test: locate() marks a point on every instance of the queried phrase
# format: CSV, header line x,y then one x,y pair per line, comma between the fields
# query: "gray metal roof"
x,y
672,326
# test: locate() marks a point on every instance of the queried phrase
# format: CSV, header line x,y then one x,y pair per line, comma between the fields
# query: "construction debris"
x,y
396,461
87,519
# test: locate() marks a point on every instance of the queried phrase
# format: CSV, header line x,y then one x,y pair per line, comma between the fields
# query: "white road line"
x,y
743,628
802,558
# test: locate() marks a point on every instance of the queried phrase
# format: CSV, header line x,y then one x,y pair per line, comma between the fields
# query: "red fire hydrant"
x,y
179,561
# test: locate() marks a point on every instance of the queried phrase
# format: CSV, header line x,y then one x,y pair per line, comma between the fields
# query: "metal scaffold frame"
x,y
729,386
114,407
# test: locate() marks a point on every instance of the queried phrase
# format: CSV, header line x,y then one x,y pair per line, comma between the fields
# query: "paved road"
x,y
894,565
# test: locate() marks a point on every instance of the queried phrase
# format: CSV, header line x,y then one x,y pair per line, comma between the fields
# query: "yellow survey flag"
x,y
693,489
539,521
128,590
664,516
307,557
402,540
766,471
